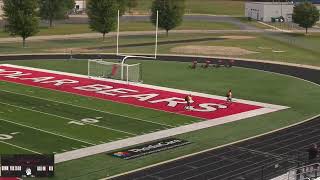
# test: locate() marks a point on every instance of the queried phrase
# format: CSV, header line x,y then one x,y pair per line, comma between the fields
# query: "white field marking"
x,y
210,149
243,59
153,87
246,149
14,133
49,114
138,119
54,152
274,27
63,150
74,148
165,133
286,75
83,146
20,147
155,136
48,132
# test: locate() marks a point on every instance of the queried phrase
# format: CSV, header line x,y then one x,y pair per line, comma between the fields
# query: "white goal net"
x,y
113,70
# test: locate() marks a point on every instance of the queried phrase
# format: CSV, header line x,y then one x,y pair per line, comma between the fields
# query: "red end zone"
x,y
152,97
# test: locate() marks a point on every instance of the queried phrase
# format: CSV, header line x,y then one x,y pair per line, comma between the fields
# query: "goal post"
x,y
154,56
112,70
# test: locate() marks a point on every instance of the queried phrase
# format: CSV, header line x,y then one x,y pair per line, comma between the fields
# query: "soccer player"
x,y
188,99
229,96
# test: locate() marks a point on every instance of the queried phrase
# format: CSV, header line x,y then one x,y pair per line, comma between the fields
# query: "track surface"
x,y
259,158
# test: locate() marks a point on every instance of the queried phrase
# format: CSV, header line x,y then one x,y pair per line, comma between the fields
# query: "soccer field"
x,y
39,120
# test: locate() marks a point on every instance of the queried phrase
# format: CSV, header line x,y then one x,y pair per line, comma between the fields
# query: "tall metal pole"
x,y
118,29
156,46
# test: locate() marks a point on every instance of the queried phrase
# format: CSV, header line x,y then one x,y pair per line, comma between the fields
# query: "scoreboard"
x,y
27,165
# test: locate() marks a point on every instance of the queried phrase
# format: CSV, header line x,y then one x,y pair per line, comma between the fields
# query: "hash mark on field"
x,y
32,109
58,102
63,150
23,125
13,133
74,148
83,146
20,147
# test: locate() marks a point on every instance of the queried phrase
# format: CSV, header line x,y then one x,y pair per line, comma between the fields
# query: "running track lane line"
x,y
49,114
207,150
20,147
138,119
48,132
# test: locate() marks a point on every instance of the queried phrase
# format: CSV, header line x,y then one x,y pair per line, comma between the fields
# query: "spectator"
x,y
219,63
194,64
313,152
207,64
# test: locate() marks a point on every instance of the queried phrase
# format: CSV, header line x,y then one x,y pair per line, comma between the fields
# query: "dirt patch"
x,y
68,50
211,50
238,37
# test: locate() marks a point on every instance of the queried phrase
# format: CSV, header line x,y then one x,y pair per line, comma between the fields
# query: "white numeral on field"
x,y
5,137
84,121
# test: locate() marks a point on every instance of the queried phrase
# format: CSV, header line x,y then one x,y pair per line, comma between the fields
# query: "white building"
x,y
80,5
1,11
266,11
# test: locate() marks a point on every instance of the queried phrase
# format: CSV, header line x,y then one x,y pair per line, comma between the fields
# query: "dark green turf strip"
x,y
121,123
88,133
36,140
9,149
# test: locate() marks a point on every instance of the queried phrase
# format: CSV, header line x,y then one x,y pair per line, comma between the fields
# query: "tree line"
x,y
23,16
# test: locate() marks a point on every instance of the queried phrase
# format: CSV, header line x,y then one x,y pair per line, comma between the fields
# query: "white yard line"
x,y
207,150
20,147
48,132
150,86
54,115
138,119
111,146
276,28
118,144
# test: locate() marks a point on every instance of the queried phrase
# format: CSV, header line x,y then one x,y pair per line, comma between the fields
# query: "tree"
x,y
170,13
306,15
55,9
21,17
122,6
132,4
102,15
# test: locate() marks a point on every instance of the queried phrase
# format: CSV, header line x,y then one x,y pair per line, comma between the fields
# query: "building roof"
x,y
272,3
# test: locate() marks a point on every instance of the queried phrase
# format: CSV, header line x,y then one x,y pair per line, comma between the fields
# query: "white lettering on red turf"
x,y
12,74
172,102
61,82
208,107
38,79
93,87
111,92
141,97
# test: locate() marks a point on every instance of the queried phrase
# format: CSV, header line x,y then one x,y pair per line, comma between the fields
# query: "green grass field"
x,y
51,111
296,48
217,7
65,29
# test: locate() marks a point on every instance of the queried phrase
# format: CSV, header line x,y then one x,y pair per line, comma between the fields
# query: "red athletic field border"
x,y
208,107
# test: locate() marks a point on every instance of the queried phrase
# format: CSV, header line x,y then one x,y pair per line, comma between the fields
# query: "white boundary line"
x,y
106,112
267,108
49,114
152,87
206,150
20,147
48,132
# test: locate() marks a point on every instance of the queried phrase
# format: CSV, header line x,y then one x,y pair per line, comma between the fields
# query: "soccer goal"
x,y
113,70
